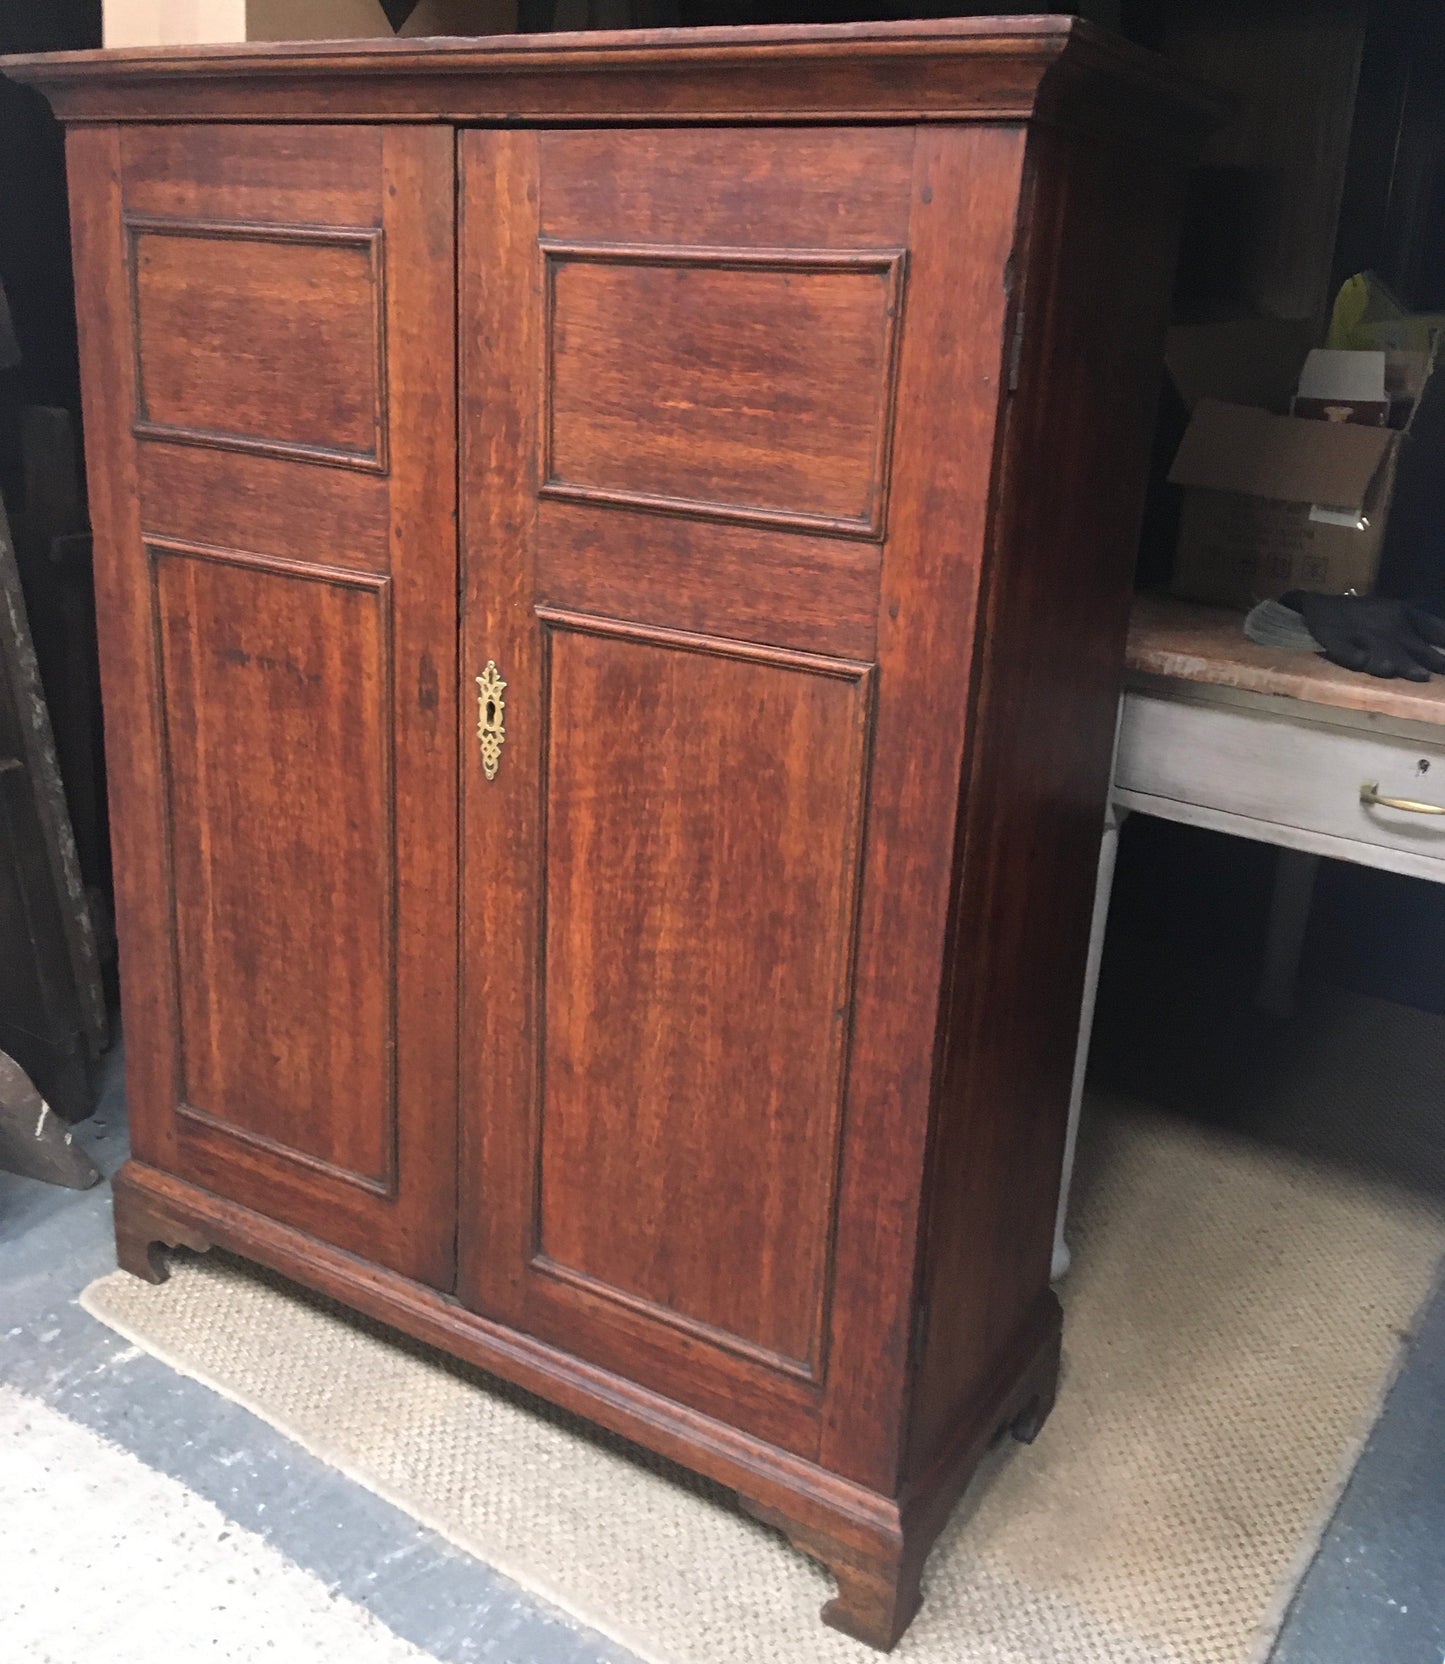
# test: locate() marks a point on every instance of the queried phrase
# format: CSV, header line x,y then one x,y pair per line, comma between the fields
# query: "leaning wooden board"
x,y
614,554
52,1006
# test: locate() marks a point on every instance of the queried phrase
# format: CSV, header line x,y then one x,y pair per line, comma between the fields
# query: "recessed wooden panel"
x,y
817,594
275,698
824,187
702,809
242,500
260,339
747,385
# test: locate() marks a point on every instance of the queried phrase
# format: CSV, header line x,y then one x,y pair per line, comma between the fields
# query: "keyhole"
x,y
1423,766
491,712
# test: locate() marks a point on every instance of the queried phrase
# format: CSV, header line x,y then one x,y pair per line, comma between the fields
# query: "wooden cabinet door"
x,y
680,359
268,321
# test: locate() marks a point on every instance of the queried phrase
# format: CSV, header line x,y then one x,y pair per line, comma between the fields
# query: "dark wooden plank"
x,y
52,1008
500,313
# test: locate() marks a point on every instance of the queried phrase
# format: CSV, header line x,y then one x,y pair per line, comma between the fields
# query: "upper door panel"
x,y
721,316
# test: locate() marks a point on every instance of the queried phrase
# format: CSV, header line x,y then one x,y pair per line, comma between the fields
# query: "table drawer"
x,y
1283,772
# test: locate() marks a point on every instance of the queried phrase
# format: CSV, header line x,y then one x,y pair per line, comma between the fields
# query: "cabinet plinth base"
x,y
143,1231
878,1594
874,1545
881,1589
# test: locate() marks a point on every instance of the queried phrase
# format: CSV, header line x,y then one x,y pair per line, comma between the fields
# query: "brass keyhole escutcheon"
x,y
491,718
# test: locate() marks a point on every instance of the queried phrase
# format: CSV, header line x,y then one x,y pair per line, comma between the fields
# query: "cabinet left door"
x,y
268,354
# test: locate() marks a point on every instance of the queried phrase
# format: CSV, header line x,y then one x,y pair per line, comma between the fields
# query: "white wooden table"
x,y
1282,747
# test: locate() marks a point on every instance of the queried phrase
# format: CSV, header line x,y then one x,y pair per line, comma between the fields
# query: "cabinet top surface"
x,y
976,68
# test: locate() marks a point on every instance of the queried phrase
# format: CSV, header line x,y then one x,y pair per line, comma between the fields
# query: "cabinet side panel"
x,y
127,649
964,209
1096,261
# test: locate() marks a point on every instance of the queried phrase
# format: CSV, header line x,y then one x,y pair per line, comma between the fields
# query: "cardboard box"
x,y
1275,502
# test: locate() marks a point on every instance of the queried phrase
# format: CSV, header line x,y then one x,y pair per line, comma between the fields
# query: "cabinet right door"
x,y
706,811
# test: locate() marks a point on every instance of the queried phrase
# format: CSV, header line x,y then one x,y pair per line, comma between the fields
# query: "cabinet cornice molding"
x,y
955,69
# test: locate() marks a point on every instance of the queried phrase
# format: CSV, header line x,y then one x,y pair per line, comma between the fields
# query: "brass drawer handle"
x,y
491,726
1370,797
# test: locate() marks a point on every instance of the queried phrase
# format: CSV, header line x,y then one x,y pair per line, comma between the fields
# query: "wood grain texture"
x,y
500,338
813,593
239,500
254,175
772,373
828,187
703,826
224,317
275,688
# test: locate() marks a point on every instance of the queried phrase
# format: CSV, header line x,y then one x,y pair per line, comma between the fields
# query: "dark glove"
x,y
1372,633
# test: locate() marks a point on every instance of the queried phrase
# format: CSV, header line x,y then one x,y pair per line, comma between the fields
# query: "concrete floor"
x,y
52,1243
1375,1593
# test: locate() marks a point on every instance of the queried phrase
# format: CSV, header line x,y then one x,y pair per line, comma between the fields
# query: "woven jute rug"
x,y
1232,1320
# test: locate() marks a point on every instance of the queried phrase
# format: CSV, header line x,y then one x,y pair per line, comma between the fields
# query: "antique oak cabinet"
x,y
613,557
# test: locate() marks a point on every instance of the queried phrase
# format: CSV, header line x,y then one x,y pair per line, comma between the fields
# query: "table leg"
x,y
1289,917
1103,888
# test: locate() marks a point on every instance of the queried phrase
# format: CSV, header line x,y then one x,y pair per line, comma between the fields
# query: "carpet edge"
x,y
1271,1624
